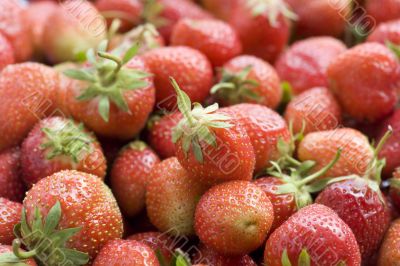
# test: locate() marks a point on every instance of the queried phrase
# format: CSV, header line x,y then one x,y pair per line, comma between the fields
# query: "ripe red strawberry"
x,y
160,135
265,128
305,63
126,252
383,10
111,96
395,188
28,94
321,17
11,186
10,215
83,206
215,39
56,144
129,176
369,71
234,218
6,52
171,197
72,28
207,256
127,11
315,109
179,63
5,250
361,205
386,32
159,242
315,235
321,146
389,253
15,27
248,79
221,9
210,145
263,27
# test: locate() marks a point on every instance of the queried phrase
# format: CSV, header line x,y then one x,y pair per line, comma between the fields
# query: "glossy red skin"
x,y
86,202
318,229
361,209
158,242
284,204
15,27
207,256
27,91
11,185
394,192
258,36
321,17
317,108
369,72
383,10
6,52
34,162
390,150
160,134
126,252
129,176
130,12
10,215
389,253
7,249
386,31
175,10
215,39
304,64
269,88
234,218
264,128
121,125
180,63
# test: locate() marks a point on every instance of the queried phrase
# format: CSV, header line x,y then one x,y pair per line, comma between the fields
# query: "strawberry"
x,y
383,10
359,73
179,62
27,91
160,135
10,260
128,11
10,214
395,188
215,39
386,32
71,29
207,256
321,146
84,215
14,26
56,144
221,9
171,197
6,52
389,253
305,63
129,176
265,128
111,96
248,79
159,242
234,218
11,185
126,252
321,17
315,235
262,26
313,110
209,146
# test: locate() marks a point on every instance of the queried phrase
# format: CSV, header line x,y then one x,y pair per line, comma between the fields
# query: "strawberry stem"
x,y
184,103
23,255
111,76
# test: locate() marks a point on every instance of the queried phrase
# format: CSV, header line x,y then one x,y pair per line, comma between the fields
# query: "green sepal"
x,y
104,108
271,9
304,258
285,261
9,259
80,74
395,48
180,259
136,145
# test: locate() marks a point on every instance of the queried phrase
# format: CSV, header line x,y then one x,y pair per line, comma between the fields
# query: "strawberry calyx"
x,y
272,9
152,10
44,242
195,128
108,78
136,145
237,87
304,259
179,259
66,139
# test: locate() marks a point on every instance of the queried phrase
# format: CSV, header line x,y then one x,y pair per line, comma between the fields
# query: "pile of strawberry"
x,y
207,133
